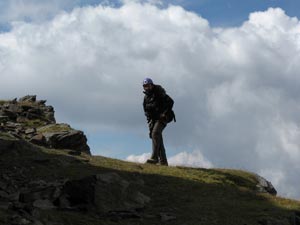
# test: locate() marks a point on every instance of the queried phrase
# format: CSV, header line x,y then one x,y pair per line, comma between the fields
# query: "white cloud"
x,y
236,90
193,159
32,10
139,158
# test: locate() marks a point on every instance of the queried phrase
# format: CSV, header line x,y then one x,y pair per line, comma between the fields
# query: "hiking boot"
x,y
162,163
152,161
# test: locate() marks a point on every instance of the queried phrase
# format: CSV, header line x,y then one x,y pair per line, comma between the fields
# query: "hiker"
x,y
158,110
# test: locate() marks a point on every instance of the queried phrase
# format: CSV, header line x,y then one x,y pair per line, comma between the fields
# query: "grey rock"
x,y
30,131
38,139
3,185
141,199
5,205
14,101
37,194
3,195
50,117
265,186
41,102
48,108
110,178
43,204
19,220
165,217
32,116
14,196
12,124
73,139
28,98
4,119
117,215
295,218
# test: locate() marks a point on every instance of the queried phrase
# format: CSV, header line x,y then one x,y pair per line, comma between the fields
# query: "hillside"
x,y
46,179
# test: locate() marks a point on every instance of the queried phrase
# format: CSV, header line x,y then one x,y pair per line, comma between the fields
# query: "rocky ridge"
x,y
32,120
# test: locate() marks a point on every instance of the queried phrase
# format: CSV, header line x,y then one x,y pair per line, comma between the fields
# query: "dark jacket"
x,y
156,103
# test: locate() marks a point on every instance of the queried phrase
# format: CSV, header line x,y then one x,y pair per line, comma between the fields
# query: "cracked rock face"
x,y
32,120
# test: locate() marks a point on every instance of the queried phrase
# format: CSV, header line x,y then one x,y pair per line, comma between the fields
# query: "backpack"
x,y
170,115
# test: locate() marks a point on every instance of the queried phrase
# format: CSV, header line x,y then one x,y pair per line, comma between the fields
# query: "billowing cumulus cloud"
x,y
139,158
236,90
31,10
193,159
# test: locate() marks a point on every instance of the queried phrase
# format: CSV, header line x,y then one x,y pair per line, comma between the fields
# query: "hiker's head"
x,y
147,84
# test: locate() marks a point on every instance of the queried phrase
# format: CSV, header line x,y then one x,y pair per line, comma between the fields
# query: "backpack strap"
x,y
174,117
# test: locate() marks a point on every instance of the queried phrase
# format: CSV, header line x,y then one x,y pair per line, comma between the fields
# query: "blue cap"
x,y
147,81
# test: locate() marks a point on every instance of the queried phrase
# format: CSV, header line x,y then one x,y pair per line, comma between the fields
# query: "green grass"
x,y
2,102
35,123
54,128
6,136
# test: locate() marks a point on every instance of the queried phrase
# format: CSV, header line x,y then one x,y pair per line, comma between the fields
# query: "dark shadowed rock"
x,y
41,102
165,217
43,204
104,192
3,119
295,218
38,139
73,139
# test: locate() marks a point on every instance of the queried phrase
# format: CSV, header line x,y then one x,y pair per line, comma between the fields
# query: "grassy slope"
x,y
194,196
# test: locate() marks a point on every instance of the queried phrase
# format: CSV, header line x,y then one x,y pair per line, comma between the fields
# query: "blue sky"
x,y
221,13
231,66
233,13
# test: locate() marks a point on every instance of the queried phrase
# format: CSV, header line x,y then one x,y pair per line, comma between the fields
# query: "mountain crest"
x,y
32,120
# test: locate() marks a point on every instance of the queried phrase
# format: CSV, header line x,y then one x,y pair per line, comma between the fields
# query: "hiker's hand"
x,y
163,116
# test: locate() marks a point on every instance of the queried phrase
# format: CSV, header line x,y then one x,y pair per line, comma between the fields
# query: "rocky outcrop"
x,y
265,186
26,109
32,120
61,136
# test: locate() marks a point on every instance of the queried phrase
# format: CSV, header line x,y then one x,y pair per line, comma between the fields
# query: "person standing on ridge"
x,y
158,111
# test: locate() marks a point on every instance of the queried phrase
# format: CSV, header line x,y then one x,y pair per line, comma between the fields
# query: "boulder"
x,y
73,139
30,131
265,186
38,139
105,193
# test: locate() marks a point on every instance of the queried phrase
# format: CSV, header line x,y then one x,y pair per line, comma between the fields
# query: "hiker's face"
x,y
148,87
